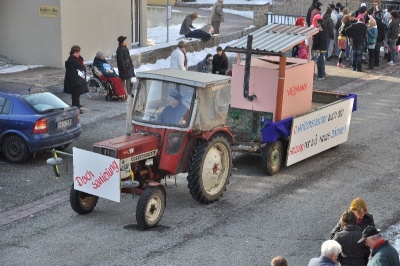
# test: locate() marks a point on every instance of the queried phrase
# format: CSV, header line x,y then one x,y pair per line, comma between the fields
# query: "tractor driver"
x,y
176,112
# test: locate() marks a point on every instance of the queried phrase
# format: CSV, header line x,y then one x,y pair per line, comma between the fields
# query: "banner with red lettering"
x,y
319,130
97,174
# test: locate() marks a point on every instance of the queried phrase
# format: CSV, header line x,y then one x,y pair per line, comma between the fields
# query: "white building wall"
x,y
27,38
94,25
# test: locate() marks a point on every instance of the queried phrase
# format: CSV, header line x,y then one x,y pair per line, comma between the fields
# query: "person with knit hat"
x,y
124,62
382,253
176,113
75,77
205,65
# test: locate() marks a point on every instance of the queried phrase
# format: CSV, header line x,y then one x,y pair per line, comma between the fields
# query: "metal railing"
x,y
281,19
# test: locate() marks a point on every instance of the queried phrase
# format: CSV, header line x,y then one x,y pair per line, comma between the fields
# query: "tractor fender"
x,y
224,130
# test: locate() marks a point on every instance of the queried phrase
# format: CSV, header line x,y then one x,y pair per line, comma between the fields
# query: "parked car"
x,y
33,119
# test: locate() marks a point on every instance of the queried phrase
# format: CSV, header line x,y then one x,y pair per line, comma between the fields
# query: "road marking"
x,y
33,207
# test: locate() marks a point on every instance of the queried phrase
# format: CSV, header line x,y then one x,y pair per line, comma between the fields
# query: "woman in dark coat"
x,y
353,253
124,62
220,62
75,77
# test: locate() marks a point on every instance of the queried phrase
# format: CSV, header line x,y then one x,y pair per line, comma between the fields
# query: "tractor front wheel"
x,y
81,202
272,157
210,169
150,207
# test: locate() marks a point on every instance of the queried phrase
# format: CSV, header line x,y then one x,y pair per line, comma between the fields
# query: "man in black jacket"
x,y
319,49
381,36
356,32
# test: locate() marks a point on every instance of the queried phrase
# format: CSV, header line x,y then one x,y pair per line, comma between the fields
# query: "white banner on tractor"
x,y
319,130
97,174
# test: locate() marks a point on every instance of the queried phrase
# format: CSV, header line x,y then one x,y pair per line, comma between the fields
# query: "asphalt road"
x,y
258,217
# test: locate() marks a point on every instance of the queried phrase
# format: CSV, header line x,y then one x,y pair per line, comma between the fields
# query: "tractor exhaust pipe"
x,y
247,70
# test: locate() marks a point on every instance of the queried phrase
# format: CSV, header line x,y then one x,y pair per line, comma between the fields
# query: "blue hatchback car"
x,y
32,120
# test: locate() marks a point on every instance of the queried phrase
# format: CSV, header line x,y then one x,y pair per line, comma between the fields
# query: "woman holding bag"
x,y
75,76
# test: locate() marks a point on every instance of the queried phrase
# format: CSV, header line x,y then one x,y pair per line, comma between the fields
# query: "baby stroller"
x,y
100,87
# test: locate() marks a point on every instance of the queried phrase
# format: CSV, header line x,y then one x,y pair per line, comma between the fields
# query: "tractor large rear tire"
x,y
150,207
210,169
81,202
272,157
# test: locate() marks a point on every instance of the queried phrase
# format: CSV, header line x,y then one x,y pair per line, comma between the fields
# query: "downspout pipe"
x,y
246,95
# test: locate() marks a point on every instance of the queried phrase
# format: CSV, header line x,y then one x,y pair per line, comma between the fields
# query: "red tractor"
x,y
178,126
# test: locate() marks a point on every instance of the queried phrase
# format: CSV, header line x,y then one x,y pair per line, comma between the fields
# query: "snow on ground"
x,y
246,14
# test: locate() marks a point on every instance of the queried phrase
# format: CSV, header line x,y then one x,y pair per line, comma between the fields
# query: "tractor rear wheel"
x,y
210,169
150,207
272,157
81,202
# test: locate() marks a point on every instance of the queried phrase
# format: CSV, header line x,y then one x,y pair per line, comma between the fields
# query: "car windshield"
x,y
44,102
163,103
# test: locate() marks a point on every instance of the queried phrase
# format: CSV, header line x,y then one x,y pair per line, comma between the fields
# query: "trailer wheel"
x,y
210,169
272,157
81,202
150,207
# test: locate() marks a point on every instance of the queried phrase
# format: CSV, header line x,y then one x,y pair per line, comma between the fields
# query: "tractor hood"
x,y
135,147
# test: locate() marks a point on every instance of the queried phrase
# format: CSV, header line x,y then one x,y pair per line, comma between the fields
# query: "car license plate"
x,y
64,123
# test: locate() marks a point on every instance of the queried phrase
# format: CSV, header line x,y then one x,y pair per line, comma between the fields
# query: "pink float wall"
x,y
263,83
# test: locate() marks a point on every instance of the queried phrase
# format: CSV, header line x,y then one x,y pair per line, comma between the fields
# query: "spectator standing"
x,y
310,9
329,28
349,48
372,35
387,18
187,24
319,48
75,77
364,218
217,15
279,261
353,253
220,62
393,35
205,65
336,30
342,40
317,10
178,57
381,37
124,63
382,253
357,32
330,251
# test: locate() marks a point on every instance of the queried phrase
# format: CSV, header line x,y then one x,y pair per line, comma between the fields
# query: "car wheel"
x,y
15,149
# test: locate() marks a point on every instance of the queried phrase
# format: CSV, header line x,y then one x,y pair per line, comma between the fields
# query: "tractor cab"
x,y
182,100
